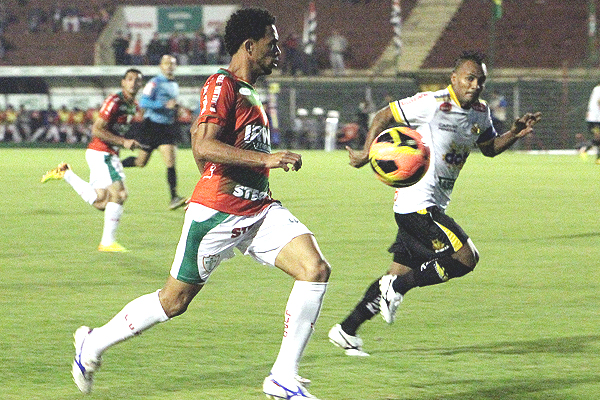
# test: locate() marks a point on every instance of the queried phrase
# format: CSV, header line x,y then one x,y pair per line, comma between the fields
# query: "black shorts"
x,y
153,135
425,235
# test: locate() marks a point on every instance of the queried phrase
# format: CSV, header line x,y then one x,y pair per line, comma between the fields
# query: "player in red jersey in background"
x,y
231,207
106,190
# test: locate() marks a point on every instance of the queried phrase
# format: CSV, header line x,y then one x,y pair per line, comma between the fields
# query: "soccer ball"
x,y
399,157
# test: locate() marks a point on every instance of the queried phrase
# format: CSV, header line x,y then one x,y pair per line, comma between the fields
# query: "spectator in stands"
x,y
57,13
292,55
3,47
120,46
213,49
9,125
104,17
185,49
337,48
498,107
593,119
70,20
49,127
175,45
155,50
137,52
35,19
198,49
80,130
24,122
65,125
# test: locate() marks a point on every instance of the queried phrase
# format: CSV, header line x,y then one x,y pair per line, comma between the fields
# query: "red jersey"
x,y
234,104
118,112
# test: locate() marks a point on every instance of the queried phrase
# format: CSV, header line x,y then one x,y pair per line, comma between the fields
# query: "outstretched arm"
x,y
99,129
206,147
522,127
383,118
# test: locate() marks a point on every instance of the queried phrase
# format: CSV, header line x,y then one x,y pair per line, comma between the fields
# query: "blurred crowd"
x,y
57,17
65,125
196,49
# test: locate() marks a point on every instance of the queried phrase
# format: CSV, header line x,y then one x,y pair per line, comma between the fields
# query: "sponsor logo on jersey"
x,y
248,193
258,137
446,106
475,129
216,93
438,246
412,99
457,156
447,127
447,183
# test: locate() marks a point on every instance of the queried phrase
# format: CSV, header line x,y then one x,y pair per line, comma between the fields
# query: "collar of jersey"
x,y
453,95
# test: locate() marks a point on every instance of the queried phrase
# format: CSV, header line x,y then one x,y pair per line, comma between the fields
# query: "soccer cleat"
x,y
177,202
303,381
112,248
83,369
290,389
56,173
351,344
389,300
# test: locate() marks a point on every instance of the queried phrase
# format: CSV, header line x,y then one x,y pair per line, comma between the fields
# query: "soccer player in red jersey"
x,y
106,190
231,207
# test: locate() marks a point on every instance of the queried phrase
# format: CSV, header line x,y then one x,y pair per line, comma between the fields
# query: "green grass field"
x,y
524,325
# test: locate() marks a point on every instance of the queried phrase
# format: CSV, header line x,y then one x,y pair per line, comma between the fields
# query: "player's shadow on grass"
x,y
514,389
519,388
564,345
583,235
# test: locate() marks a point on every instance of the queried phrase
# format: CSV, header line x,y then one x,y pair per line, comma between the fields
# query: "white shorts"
x,y
209,237
105,168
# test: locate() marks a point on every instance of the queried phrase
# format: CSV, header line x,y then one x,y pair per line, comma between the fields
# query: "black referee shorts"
x,y
153,135
425,235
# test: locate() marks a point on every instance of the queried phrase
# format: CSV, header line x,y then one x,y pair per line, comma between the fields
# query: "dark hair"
x,y
133,70
469,55
247,23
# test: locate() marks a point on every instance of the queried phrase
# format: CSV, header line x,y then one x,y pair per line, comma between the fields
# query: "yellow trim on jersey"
x,y
454,241
453,95
397,113
422,212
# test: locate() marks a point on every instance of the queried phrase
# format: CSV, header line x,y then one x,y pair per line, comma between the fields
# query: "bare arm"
x,y
206,147
99,130
383,118
522,127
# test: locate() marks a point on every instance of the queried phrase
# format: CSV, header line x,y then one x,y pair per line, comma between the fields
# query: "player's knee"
x,y
456,269
174,306
101,200
316,272
121,196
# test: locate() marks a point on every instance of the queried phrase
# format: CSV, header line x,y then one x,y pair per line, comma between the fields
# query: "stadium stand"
x,y
530,34
361,20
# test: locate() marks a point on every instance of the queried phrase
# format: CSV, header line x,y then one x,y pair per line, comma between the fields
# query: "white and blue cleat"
x,y
288,389
83,368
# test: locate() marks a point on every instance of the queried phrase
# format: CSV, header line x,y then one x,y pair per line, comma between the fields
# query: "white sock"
x,y
137,316
83,188
112,216
301,313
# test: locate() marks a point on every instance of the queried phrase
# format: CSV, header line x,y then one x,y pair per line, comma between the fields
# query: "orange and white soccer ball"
x,y
399,157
